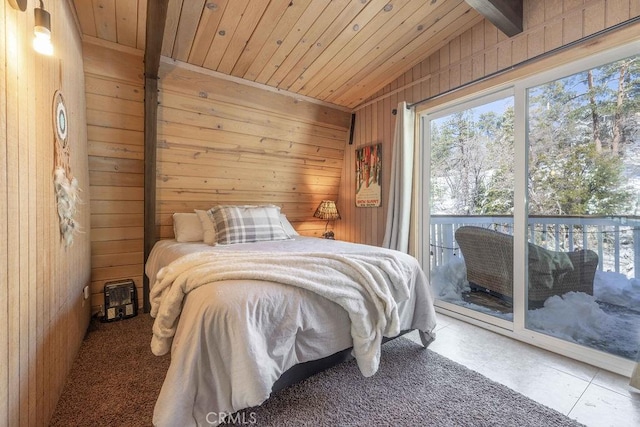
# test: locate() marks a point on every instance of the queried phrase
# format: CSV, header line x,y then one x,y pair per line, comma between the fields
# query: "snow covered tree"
x,y
458,160
576,142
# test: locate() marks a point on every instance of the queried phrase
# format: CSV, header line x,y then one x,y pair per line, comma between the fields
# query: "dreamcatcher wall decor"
x,y
66,185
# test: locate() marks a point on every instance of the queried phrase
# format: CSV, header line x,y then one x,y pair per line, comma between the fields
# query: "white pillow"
x,y
209,231
288,228
187,227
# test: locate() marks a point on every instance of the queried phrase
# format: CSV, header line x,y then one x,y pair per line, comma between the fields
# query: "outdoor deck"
x,y
616,240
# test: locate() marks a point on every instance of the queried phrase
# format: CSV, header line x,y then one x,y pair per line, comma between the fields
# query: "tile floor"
x,y
590,395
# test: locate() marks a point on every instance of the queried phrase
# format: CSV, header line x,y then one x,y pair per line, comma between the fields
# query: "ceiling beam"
x,y
506,15
156,17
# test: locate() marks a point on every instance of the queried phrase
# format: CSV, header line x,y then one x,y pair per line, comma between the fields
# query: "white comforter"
x,y
236,337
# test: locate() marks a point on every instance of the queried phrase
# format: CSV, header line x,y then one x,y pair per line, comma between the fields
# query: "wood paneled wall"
x,y
480,51
114,81
43,316
223,142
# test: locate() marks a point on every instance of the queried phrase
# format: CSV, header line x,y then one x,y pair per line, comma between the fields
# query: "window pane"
x,y
471,185
584,202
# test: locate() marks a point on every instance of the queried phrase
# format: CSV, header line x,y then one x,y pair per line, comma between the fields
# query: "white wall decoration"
x,y
66,185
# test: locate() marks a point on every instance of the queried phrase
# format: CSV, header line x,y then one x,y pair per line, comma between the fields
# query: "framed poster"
x,y
368,169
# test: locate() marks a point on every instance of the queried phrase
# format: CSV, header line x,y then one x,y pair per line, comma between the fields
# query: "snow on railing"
x,y
616,239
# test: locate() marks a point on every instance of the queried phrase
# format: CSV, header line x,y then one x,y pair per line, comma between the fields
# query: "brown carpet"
x,y
116,379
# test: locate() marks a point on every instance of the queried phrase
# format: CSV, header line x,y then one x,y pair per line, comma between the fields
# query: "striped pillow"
x,y
243,224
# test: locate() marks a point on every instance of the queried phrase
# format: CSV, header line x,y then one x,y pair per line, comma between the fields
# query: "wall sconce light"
x,y
327,210
42,31
20,5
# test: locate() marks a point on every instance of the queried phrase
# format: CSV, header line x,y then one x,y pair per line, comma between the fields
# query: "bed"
x,y
239,319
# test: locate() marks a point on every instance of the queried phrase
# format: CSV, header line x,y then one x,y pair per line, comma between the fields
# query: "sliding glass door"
x,y
583,133
471,191
531,207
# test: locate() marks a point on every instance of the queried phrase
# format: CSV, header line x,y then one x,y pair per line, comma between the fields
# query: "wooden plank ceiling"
x,y
337,51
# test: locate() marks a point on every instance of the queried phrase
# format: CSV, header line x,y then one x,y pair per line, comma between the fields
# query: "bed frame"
x,y
302,371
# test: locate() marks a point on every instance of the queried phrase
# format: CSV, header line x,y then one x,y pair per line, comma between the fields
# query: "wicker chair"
x,y
488,256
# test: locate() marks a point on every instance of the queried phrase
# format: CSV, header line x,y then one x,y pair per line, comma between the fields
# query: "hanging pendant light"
x,y
42,31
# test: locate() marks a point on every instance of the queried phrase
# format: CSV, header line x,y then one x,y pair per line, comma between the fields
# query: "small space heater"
x,y
120,300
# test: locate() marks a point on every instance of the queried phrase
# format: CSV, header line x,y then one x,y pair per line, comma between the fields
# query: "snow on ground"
x,y
609,320
617,289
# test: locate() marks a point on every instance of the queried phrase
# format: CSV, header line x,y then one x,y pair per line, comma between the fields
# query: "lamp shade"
x,y
327,210
42,31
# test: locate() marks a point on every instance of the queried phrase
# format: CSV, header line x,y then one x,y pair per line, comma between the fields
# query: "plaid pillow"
x,y
243,224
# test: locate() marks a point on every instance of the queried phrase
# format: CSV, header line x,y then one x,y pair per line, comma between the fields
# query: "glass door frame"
x,y
439,111
516,329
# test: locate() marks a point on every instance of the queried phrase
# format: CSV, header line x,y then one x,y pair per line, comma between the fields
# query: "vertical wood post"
x,y
156,17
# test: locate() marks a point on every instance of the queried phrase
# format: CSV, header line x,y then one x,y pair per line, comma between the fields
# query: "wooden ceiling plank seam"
x,y
104,12
277,37
409,57
278,78
242,35
427,15
126,22
75,20
367,39
268,24
413,38
174,10
337,12
316,58
340,31
294,38
370,10
206,31
84,10
414,27
230,20
189,19
141,38
356,96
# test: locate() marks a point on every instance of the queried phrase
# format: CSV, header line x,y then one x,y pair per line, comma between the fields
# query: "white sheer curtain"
x,y
397,229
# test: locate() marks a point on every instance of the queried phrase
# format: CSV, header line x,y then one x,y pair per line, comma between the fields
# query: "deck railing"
x,y
616,239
